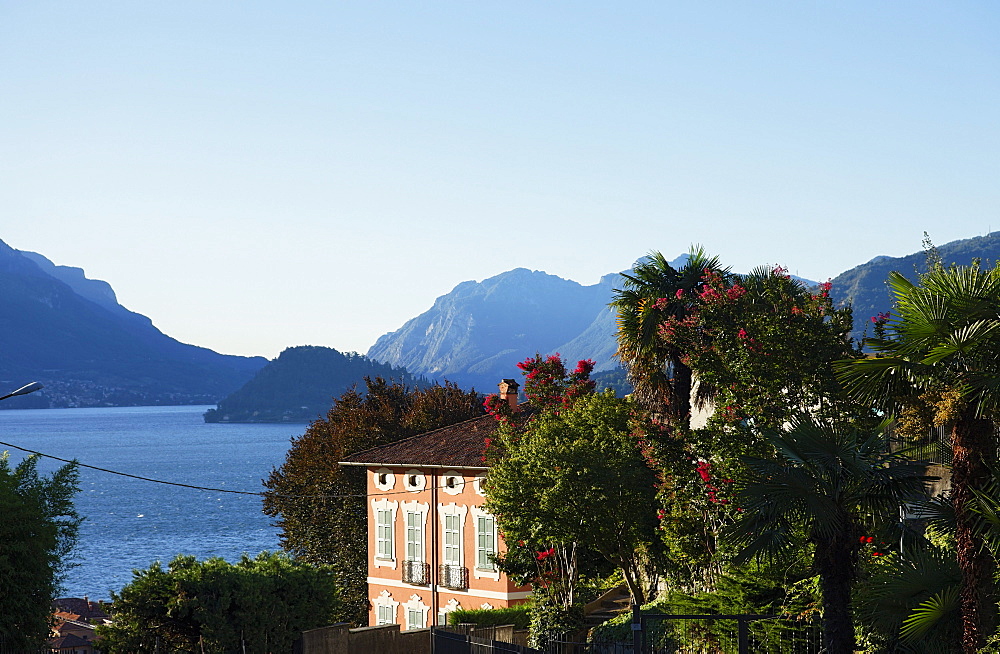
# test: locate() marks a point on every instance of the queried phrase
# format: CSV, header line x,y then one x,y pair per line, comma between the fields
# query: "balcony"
x,y
455,577
417,573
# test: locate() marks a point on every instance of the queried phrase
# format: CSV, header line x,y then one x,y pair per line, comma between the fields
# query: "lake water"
x,y
131,523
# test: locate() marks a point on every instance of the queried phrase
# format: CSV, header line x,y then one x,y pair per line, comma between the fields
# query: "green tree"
x,y
259,604
577,476
38,529
762,345
831,485
320,505
941,351
653,292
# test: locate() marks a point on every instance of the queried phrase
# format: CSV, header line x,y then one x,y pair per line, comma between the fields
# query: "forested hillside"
x,y
300,385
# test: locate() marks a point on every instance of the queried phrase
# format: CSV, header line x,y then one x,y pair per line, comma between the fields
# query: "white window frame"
x,y
419,509
457,511
454,478
384,505
491,572
414,605
390,479
419,481
384,601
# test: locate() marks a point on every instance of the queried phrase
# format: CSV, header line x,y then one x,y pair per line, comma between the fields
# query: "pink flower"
x,y
679,294
736,292
742,333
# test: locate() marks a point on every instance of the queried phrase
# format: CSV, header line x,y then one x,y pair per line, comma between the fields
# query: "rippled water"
x,y
131,523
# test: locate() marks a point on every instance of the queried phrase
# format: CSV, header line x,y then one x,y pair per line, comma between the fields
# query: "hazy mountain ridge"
x,y
865,288
70,333
475,334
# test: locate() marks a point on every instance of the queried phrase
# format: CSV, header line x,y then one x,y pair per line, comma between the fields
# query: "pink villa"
x,y
429,539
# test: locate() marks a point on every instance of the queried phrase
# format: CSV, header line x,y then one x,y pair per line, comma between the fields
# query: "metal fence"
x,y
725,634
482,641
704,634
661,634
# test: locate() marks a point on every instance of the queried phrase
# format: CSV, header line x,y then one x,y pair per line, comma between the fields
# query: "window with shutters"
x,y
485,542
384,534
414,536
452,540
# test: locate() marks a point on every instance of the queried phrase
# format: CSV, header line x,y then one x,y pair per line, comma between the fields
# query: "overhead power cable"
x,y
191,486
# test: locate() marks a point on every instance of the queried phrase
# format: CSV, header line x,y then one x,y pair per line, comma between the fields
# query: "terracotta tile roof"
x,y
82,608
456,446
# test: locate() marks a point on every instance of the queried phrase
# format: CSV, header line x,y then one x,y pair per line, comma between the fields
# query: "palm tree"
x,y
651,293
945,340
831,484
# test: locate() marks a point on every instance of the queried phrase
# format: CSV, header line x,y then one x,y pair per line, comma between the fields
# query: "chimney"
x,y
508,391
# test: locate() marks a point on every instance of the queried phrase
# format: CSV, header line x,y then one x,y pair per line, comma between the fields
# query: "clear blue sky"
x,y
256,175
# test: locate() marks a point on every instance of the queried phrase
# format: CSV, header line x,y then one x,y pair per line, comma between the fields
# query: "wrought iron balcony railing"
x,y
455,577
417,573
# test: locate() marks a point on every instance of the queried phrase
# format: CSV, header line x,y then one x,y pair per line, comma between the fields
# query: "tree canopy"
x,y
576,476
38,529
937,362
259,604
653,292
835,486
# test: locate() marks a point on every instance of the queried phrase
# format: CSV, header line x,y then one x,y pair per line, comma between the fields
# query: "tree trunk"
x,y
973,446
632,582
678,393
836,563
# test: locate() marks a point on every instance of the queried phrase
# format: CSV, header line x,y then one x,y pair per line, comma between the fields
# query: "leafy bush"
x,y
552,622
518,616
262,603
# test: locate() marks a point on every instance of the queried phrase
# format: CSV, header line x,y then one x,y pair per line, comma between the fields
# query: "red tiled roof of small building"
x,y
456,446
82,608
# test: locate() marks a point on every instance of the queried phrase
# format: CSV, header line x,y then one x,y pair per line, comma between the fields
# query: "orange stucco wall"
x,y
456,494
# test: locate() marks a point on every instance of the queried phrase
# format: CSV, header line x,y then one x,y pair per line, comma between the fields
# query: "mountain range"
x,y
70,333
476,334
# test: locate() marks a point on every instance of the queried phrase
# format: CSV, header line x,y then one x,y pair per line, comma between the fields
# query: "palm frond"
x,y
930,613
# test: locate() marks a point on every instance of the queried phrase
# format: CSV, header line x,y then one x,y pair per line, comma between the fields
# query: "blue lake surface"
x,y
131,523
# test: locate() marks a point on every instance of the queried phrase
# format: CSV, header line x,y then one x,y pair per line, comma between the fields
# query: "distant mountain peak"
x,y
70,333
475,334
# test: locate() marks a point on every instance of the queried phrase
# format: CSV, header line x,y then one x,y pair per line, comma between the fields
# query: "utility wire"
x,y
191,486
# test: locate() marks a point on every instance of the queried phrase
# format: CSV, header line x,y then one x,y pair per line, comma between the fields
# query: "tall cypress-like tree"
x,y
320,505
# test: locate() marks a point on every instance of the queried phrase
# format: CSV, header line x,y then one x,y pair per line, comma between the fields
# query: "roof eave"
x,y
437,466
